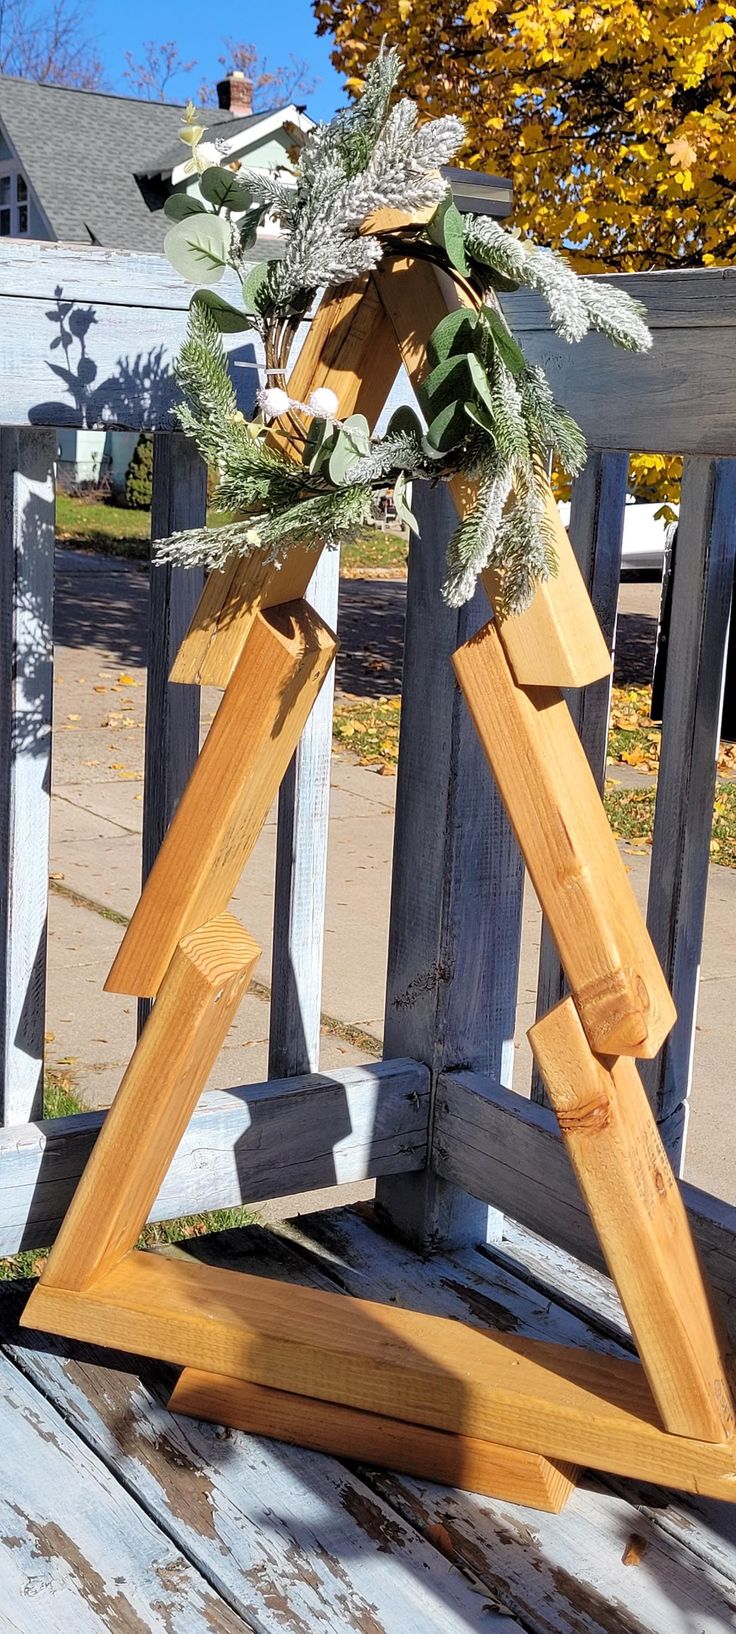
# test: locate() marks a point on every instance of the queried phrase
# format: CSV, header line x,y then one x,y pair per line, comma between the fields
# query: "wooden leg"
x,y
229,794
557,641
349,347
368,1438
634,1202
199,996
550,795
575,1406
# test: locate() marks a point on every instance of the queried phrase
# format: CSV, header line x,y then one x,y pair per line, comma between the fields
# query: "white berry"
x,y
323,401
273,400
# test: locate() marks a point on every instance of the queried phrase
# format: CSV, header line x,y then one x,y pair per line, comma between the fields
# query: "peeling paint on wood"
x,y
79,1555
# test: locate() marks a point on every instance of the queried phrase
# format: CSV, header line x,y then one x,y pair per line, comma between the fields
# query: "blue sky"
x,y
278,29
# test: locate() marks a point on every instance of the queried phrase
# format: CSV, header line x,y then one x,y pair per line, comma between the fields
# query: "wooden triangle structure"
x,y
500,1415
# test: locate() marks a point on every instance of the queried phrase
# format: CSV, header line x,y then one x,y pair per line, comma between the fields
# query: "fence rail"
x,y
456,907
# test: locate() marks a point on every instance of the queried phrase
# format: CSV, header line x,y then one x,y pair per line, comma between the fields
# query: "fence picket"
x,y
301,868
172,712
703,575
26,677
457,881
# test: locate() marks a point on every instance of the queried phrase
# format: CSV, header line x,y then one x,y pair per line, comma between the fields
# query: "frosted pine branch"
x,y
575,304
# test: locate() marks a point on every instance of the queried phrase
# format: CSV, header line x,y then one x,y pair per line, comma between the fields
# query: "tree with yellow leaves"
x,y
615,119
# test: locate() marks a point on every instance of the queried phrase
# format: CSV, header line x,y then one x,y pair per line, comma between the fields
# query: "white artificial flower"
x,y
323,401
210,153
273,400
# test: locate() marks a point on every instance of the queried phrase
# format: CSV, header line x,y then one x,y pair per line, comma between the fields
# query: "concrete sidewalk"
x,y
96,824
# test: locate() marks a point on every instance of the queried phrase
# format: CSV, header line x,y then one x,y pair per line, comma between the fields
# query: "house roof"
x,y
167,161
82,151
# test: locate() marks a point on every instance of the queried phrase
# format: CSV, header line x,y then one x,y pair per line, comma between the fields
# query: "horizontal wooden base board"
x,y
575,1406
369,1438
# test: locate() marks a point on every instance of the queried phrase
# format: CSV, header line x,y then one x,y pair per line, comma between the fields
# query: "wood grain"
x,y
573,860
26,686
79,1553
627,1183
576,1406
172,713
348,344
508,1151
236,778
295,1017
705,555
197,1001
596,535
291,1541
274,1525
457,1460
455,923
556,641
242,1145
644,401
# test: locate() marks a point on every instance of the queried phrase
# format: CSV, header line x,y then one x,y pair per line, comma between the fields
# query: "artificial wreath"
x,y
487,414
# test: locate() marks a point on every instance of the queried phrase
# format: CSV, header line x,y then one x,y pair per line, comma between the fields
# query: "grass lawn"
x,y
120,532
105,527
369,729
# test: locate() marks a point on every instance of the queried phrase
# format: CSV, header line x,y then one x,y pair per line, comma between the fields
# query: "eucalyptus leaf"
x,y
403,511
228,318
222,188
179,205
342,457
480,380
357,431
508,349
479,414
447,382
448,428
251,285
455,333
198,248
318,444
446,229
248,226
404,419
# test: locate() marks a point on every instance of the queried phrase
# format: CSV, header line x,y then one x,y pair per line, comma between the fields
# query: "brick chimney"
x,y
235,93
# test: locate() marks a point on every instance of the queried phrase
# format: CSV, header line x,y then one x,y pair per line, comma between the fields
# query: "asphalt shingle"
x,y
82,152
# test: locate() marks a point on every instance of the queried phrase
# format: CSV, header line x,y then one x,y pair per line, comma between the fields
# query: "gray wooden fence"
x,y
437,1123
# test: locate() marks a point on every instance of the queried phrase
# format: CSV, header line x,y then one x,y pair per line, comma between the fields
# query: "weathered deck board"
x,y
569,1576
293,1541
79,1554
306,1537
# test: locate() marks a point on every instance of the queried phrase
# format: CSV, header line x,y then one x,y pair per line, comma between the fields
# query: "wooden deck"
x,y
116,1516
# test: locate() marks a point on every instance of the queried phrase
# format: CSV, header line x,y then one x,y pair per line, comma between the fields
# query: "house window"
x,y
13,202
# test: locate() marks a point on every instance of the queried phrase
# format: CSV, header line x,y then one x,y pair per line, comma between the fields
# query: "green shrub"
x,y
139,475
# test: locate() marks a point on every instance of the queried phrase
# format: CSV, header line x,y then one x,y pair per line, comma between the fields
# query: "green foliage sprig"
x,y
485,412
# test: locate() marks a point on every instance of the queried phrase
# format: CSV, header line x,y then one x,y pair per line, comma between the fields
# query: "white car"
x,y
645,537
